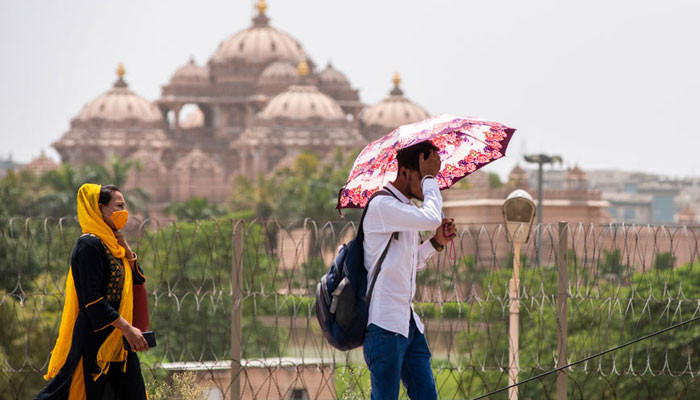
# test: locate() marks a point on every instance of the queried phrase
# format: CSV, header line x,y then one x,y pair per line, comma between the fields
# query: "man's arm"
x,y
387,214
425,251
443,233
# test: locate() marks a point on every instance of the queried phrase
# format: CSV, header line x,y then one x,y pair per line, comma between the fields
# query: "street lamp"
x,y
540,160
518,214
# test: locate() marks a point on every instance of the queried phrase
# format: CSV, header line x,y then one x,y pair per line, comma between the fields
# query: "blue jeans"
x,y
392,358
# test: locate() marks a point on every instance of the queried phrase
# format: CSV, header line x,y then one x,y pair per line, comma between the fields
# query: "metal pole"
x,y
540,178
514,326
236,309
540,201
562,297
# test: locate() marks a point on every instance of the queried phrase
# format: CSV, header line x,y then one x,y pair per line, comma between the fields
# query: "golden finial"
x,y
303,68
121,71
261,5
397,79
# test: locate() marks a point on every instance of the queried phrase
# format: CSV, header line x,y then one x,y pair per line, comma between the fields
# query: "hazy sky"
x,y
603,83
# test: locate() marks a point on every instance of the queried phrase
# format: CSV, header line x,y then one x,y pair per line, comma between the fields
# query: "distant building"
x,y
282,378
41,164
617,181
663,208
482,204
630,208
645,203
7,164
688,216
258,102
688,202
635,197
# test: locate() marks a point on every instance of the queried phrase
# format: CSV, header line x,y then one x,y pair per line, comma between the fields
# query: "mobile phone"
x,y
150,337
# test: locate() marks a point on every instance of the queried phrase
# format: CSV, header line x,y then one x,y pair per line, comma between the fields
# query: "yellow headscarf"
x,y
112,350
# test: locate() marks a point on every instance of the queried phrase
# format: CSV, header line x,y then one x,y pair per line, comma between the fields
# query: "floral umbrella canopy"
x,y
465,145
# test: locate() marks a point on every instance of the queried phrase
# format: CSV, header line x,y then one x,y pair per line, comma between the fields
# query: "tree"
x,y
664,261
259,198
191,262
612,265
308,189
594,325
495,181
60,190
53,194
184,386
17,193
194,209
33,264
116,172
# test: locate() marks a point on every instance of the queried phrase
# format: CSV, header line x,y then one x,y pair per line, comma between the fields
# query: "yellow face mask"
x,y
119,218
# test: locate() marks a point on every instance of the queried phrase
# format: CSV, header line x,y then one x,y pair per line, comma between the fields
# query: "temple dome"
x,y
332,77
120,104
393,111
147,161
302,102
576,173
519,177
151,175
279,73
197,175
41,164
196,160
190,73
259,43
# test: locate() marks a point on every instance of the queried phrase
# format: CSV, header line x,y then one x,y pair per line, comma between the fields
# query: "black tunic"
x,y
98,278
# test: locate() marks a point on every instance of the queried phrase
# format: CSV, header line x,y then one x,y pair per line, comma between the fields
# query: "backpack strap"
x,y
379,268
395,236
382,192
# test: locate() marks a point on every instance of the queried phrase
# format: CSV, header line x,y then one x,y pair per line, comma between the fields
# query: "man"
x,y
395,348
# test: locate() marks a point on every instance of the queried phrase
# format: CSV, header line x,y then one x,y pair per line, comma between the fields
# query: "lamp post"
x,y
518,214
540,160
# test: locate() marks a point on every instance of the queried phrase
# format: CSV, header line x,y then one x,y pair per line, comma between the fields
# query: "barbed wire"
x,y
625,281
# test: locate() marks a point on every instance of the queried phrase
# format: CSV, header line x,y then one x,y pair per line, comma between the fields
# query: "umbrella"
x,y
465,145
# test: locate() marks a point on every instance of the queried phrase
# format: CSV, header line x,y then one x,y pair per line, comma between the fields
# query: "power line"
x,y
590,357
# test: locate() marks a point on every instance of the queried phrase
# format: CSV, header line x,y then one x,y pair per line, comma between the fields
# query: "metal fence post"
x,y
236,308
562,297
514,325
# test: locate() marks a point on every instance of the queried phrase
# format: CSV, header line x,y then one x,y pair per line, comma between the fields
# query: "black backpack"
x,y
342,308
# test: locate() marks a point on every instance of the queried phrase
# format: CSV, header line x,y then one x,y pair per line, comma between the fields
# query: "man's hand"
x,y
446,230
132,334
431,166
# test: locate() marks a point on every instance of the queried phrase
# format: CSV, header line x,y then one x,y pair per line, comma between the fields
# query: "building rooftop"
x,y
279,362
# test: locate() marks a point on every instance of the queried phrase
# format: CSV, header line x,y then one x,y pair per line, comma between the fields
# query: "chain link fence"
x,y
222,290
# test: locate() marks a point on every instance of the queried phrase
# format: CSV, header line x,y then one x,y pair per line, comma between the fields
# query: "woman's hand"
x,y
122,242
132,334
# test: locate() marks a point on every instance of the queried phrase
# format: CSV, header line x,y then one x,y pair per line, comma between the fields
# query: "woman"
x,y
89,360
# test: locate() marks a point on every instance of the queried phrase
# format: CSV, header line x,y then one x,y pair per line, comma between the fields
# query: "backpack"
x,y
342,308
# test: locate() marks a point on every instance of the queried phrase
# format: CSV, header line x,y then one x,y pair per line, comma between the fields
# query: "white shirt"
x,y
391,305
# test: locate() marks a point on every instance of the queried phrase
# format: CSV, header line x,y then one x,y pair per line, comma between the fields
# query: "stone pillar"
x,y
176,121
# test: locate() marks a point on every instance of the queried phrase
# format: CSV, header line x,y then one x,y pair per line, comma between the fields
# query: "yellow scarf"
x,y
112,350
